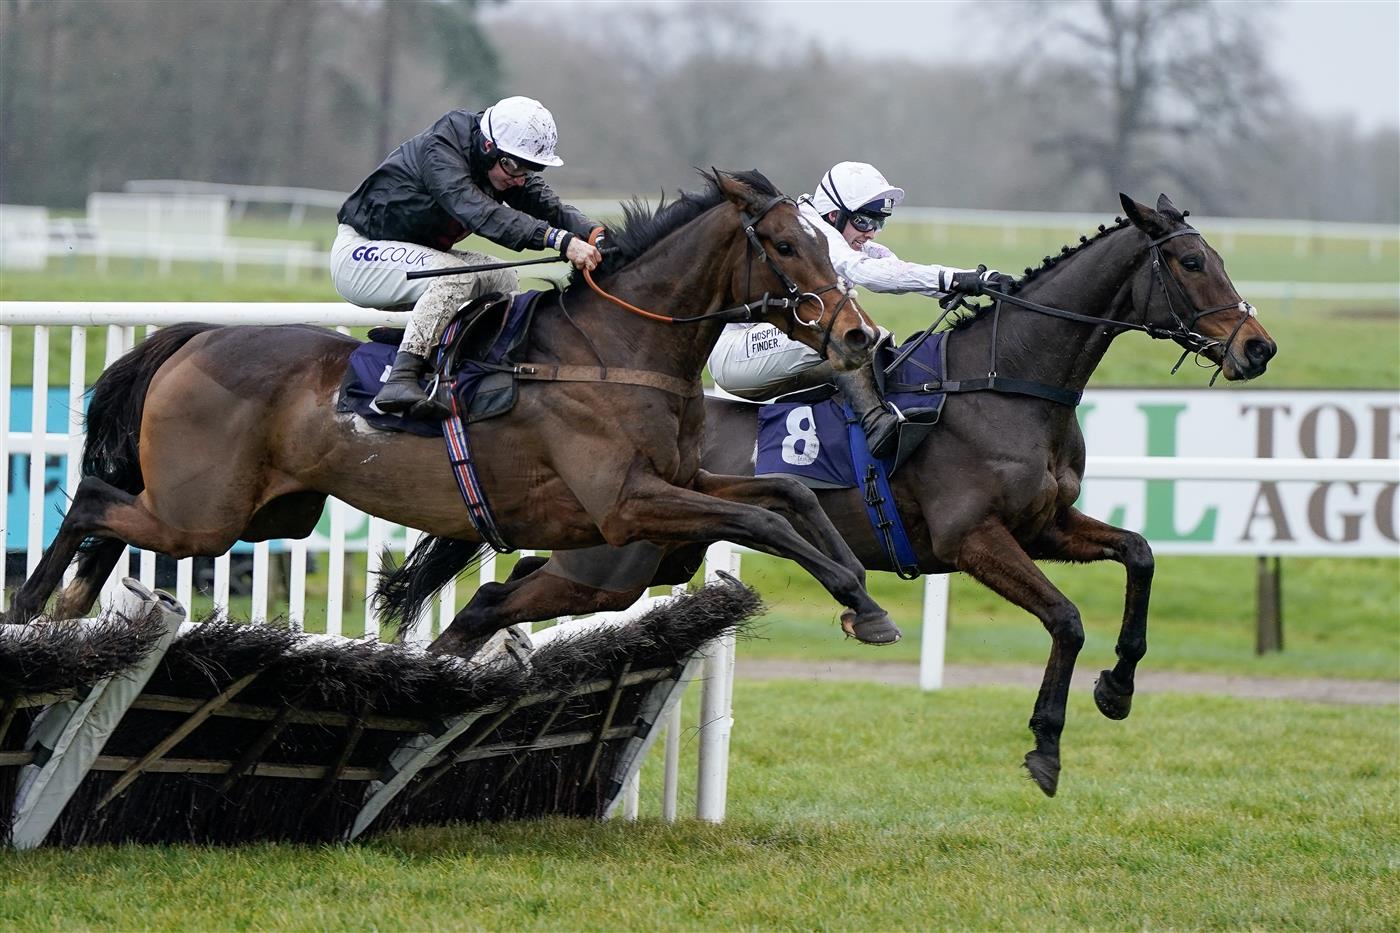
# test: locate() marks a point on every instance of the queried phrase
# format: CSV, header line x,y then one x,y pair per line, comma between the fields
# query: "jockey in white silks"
x,y
850,206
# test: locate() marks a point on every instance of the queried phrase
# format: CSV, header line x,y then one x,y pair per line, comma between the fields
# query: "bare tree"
x,y
446,29
1147,81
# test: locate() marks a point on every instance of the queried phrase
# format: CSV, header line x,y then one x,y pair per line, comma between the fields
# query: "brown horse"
x,y
993,490
203,435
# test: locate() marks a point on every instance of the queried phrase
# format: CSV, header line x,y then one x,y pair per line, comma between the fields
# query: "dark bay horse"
x,y
203,435
993,489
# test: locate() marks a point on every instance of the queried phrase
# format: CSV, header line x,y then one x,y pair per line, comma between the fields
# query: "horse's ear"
x,y
1143,217
738,193
1167,208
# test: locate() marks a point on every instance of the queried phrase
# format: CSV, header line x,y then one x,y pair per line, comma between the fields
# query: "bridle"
x,y
1183,330
1186,331
752,310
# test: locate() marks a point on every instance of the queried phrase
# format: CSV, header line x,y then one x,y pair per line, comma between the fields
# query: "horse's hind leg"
x,y
101,510
83,519
993,557
95,565
1083,539
533,596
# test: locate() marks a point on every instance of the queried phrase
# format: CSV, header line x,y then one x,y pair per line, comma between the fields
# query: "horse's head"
x,y
1185,293
787,258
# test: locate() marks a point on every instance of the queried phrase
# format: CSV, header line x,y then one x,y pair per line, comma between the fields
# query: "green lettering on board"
x,y
1159,522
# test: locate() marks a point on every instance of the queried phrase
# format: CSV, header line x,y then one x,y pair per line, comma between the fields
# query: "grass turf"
x,y
1342,618
853,808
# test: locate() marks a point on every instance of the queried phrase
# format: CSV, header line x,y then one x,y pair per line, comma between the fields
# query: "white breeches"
x,y
371,274
758,361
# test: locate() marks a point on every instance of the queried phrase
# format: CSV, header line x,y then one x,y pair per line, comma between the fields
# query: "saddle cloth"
x,y
482,389
810,441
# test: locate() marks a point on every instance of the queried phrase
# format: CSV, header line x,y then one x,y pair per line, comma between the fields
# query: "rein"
x,y
749,311
1184,330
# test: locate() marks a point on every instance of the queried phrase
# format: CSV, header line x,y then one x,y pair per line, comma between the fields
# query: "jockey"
x,y
851,204
467,173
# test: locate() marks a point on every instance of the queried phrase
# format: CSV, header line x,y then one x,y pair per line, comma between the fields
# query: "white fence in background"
x,y
167,221
126,322
297,200
24,235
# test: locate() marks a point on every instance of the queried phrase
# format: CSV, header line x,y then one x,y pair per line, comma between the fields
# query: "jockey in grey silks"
x,y
467,173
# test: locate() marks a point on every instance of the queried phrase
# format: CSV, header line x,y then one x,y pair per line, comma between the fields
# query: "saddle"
x,y
475,359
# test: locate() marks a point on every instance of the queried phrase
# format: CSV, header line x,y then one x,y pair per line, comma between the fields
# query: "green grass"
x,y
852,808
1341,618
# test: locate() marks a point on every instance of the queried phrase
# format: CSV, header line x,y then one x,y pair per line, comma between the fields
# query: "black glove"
x,y
966,283
976,281
998,280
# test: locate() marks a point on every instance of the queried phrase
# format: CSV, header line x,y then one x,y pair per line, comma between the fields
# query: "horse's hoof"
x,y
1045,771
464,648
17,617
874,629
1110,699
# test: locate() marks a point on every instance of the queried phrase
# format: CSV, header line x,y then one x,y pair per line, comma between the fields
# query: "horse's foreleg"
x,y
1083,539
793,501
993,557
653,510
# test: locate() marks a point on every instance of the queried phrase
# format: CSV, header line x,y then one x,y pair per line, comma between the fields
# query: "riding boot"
x,y
402,395
881,425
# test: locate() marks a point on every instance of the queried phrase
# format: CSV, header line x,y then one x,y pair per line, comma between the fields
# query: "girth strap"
x,y
557,372
459,454
997,383
880,506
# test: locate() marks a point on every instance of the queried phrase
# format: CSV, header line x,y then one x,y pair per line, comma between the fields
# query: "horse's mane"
x,y
643,226
971,314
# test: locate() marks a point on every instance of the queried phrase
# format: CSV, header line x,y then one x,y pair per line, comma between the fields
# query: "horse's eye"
x,y
784,248
1192,264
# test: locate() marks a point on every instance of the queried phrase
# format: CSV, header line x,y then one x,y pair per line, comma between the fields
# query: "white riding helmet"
x,y
522,127
849,186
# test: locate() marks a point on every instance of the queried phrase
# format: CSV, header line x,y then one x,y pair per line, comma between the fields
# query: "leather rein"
x,y
749,311
1184,330
752,310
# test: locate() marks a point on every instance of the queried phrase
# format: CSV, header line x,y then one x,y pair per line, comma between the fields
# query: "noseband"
x,y
795,296
1185,331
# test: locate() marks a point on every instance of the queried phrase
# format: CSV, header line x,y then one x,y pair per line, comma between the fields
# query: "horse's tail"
x,y
118,397
432,564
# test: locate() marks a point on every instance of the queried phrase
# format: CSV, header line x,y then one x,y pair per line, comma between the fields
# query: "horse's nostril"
x,y
1259,351
857,338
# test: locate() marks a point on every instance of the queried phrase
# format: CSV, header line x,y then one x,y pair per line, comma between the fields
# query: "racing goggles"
x,y
867,223
518,168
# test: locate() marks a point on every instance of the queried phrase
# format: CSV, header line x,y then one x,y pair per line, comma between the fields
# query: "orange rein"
x,y
588,277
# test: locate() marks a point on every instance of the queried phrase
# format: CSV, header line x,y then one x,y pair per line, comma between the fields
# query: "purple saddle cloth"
x,y
810,441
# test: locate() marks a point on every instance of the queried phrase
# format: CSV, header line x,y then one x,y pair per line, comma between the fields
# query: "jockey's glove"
x,y
976,281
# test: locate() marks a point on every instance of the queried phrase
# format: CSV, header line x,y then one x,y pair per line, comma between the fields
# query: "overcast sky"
x,y
1337,56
